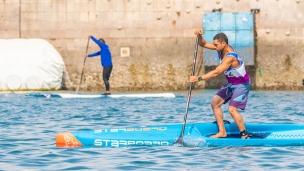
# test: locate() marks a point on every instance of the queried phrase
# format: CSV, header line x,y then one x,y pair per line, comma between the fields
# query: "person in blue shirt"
x,y
105,59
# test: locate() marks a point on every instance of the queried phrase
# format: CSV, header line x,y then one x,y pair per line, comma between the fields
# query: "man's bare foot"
x,y
219,135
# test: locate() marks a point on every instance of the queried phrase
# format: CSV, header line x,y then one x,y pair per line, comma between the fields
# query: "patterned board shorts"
x,y
237,94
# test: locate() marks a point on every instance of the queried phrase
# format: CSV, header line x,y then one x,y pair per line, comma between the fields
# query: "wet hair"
x,y
221,37
102,40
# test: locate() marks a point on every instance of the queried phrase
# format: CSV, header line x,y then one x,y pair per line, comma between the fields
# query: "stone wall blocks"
x,y
10,2
117,34
9,34
155,31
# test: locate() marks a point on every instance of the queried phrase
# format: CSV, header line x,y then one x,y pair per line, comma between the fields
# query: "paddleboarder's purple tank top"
x,y
237,75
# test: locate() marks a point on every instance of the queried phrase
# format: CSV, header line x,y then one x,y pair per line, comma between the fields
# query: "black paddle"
x,y
83,65
180,139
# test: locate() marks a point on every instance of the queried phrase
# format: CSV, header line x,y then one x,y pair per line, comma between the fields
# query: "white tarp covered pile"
x,y
30,64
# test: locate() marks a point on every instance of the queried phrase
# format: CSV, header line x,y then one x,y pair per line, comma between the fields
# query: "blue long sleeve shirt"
x,y
105,54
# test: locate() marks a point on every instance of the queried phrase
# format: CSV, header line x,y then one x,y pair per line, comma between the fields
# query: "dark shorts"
x,y
106,73
237,94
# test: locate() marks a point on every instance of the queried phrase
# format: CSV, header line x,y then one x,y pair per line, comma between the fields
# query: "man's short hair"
x,y
102,40
221,37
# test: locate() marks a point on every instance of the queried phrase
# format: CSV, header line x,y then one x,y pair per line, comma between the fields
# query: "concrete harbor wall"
x,y
159,36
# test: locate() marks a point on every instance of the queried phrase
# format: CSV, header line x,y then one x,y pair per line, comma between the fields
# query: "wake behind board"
x,y
67,95
196,134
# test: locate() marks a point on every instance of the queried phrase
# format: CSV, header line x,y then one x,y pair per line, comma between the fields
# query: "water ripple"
x,y
29,126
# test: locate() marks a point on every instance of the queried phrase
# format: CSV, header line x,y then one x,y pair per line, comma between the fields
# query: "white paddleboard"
x,y
66,95
169,95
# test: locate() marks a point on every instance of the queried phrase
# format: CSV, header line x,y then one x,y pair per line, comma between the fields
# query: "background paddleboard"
x,y
69,95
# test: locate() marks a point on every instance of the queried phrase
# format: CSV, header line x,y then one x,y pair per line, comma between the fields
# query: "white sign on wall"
x,y
125,52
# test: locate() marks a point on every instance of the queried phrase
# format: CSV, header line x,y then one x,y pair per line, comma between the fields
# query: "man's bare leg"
x,y
237,118
216,103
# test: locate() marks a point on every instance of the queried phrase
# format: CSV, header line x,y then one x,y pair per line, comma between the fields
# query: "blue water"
x,y
29,125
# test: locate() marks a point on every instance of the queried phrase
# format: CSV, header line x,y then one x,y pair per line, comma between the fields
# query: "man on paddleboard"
x,y
106,61
236,89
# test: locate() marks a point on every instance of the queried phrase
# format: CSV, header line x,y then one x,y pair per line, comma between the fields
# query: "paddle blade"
x,y
179,141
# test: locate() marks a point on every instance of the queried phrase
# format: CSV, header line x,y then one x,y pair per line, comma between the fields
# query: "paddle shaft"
x,y
83,66
180,139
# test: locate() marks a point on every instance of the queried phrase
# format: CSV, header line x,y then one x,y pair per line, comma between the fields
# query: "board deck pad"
x,y
251,135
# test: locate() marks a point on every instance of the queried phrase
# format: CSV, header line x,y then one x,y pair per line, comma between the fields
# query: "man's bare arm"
x,y
202,42
218,70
